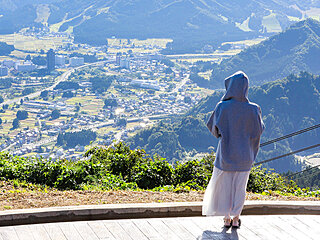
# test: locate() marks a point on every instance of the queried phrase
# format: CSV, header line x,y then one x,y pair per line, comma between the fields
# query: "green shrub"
x,y
197,171
153,173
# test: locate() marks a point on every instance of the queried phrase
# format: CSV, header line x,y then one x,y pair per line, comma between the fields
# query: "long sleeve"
x,y
211,124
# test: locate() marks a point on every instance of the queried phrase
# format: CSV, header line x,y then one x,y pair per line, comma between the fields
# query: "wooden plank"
x,y
116,230
257,224
132,230
302,225
163,230
205,232
24,232
178,228
54,231
149,231
100,230
8,233
212,228
85,231
310,231
39,232
69,231
192,227
260,227
291,230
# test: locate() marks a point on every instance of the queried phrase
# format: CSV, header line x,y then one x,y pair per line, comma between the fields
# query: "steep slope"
x,y
296,49
287,106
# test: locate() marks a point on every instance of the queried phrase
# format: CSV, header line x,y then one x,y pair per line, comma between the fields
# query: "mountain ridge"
x,y
294,50
189,23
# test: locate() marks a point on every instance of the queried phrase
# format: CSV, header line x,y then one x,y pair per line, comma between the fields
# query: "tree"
x,y
67,94
0,121
55,114
110,102
44,94
27,91
15,123
67,85
1,99
168,70
22,114
122,122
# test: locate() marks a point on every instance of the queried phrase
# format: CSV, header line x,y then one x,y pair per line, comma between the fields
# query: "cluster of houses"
x,y
141,104
26,136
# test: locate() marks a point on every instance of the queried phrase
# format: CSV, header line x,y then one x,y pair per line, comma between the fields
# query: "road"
x,y
179,85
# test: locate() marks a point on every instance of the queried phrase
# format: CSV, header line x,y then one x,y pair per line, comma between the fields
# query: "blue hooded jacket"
x,y
238,124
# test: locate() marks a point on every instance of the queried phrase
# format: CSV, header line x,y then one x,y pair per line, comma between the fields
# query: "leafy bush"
x,y
194,172
263,179
151,174
119,167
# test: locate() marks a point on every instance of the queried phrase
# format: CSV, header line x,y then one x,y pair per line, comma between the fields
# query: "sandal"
x,y
236,224
227,222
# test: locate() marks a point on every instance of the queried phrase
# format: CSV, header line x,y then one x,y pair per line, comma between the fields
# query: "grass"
x,y
22,195
29,43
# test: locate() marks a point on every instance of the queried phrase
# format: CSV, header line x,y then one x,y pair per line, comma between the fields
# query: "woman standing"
x,y
238,125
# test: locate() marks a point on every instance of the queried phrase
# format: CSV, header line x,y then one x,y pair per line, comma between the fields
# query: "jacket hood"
x,y
237,87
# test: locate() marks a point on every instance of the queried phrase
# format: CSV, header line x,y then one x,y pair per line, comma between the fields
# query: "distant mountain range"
x,y
288,105
191,23
294,50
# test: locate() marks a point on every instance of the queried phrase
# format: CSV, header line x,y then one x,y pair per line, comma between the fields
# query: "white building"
x,y
149,84
60,60
27,66
125,63
3,71
76,61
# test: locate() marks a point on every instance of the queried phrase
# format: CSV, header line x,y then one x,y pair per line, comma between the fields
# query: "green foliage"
x,y
68,94
22,114
27,91
310,179
88,58
263,179
291,51
67,85
15,123
39,60
55,114
44,94
72,139
167,62
194,172
1,99
61,174
101,83
151,174
119,167
5,49
6,82
110,102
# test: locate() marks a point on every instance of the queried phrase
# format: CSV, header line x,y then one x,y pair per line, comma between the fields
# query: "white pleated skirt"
x,y
225,194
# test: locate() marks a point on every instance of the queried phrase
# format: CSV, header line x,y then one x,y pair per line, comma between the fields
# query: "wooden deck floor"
x,y
253,227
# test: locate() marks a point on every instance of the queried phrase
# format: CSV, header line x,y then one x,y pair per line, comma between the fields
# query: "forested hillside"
x,y
296,49
287,105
